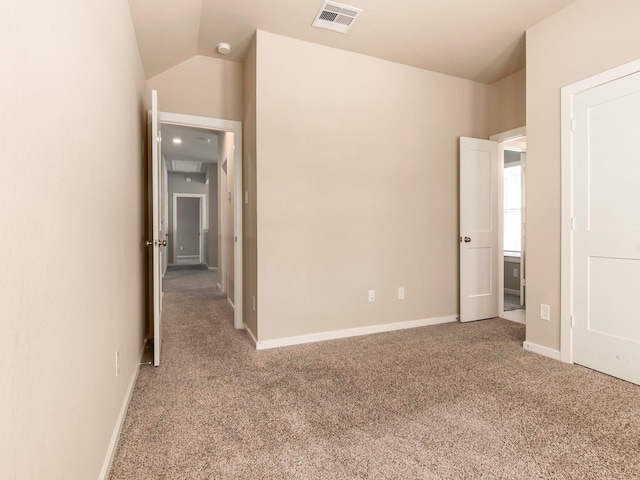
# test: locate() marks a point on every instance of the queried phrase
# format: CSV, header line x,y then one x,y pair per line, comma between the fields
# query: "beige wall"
x,y
357,175
249,212
203,86
507,103
72,128
586,38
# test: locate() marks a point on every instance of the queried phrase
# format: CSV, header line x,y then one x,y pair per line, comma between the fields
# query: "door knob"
x,y
157,243
467,239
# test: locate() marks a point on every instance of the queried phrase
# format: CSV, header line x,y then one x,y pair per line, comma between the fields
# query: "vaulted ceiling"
x,y
477,40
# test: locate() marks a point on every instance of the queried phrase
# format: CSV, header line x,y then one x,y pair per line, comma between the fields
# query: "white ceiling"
x,y
478,40
198,145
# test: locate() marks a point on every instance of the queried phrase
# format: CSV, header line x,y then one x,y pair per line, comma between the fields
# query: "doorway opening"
x,y
194,150
512,149
191,229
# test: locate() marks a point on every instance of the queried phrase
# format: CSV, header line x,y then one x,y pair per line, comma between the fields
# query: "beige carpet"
x,y
451,401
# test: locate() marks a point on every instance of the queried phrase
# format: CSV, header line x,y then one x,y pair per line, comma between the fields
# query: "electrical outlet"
x,y
545,312
372,296
117,363
400,293
516,273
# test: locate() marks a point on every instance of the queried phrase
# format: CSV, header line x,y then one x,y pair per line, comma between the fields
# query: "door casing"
x,y
567,95
234,127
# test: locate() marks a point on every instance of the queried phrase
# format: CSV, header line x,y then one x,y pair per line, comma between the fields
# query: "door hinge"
x,y
524,282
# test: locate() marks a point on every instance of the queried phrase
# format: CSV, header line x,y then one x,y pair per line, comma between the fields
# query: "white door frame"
x,y
503,138
566,120
202,222
236,128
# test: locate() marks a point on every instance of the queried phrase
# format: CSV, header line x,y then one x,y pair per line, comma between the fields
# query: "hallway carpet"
x,y
452,401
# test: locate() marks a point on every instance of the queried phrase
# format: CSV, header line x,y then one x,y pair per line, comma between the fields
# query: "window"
x,y
512,209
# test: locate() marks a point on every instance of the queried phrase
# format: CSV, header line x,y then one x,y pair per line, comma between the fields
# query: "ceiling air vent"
x,y
336,17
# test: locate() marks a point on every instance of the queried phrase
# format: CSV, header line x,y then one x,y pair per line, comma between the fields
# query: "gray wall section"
x,y
511,282
511,157
177,183
188,235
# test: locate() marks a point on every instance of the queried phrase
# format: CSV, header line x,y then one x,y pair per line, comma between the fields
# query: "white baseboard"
x,y
187,256
512,292
115,436
540,350
351,332
231,303
219,286
212,268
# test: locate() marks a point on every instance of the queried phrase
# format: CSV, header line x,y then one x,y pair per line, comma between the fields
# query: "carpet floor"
x,y
452,401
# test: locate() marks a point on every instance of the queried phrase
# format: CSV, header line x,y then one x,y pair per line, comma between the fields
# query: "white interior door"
x,y
479,176
606,228
159,240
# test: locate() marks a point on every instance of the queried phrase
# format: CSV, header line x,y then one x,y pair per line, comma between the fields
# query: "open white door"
x,y
479,176
605,237
158,241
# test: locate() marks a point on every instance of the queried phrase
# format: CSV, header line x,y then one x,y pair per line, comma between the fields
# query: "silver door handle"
x,y
467,239
157,243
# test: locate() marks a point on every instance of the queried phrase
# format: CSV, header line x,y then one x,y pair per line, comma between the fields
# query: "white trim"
x,y
352,332
188,256
117,430
566,263
540,350
512,292
219,286
236,128
501,139
231,304
509,135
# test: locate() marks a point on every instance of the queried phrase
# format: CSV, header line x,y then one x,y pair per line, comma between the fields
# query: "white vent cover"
x,y
336,17
186,166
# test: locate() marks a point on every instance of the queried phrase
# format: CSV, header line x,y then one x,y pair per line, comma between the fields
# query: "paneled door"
x,y
606,228
159,240
479,177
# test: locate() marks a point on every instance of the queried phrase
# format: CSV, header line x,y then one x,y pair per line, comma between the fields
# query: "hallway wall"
x,y
72,128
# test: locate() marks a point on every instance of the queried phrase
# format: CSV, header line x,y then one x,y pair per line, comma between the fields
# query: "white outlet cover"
x,y
545,312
